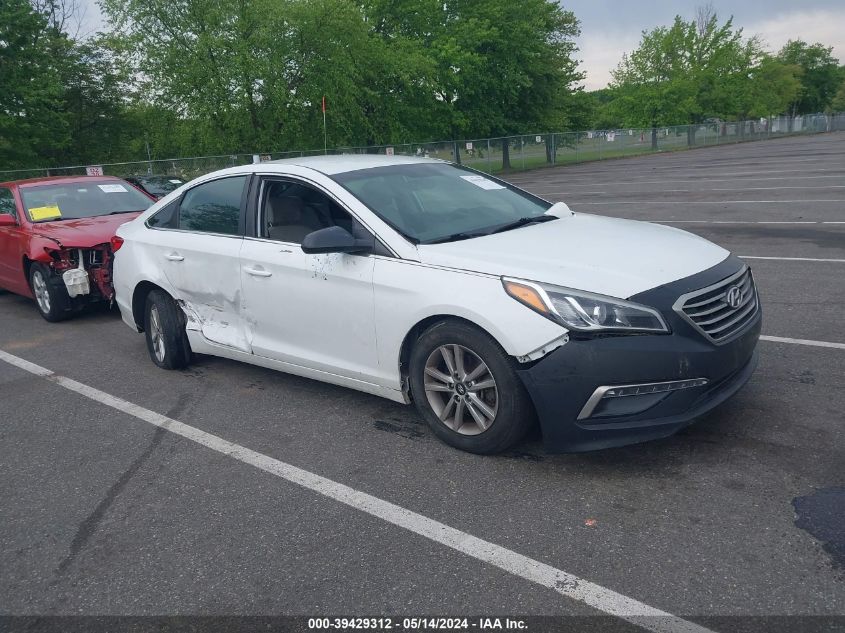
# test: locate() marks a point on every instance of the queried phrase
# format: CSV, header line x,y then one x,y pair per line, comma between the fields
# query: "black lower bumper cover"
x,y
562,382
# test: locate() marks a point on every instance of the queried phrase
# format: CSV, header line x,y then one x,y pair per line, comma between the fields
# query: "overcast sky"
x,y
612,27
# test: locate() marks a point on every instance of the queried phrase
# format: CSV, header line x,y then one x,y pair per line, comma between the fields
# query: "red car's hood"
x,y
85,232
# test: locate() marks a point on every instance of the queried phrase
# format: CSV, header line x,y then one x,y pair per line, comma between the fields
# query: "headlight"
x,y
584,311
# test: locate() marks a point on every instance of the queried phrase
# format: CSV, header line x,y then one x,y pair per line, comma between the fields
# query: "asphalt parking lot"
x,y
742,514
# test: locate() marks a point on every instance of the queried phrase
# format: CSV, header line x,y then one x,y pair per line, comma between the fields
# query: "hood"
x,y
609,256
84,232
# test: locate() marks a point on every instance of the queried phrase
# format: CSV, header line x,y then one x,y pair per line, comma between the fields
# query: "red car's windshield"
x,y
69,201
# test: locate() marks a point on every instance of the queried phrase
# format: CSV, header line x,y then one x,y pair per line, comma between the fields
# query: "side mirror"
x,y
334,239
7,219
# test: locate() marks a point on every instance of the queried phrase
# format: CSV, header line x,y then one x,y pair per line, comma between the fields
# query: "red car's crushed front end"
x,y
56,238
83,245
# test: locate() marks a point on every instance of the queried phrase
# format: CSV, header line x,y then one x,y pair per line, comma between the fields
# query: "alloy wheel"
x,y
461,389
42,295
156,334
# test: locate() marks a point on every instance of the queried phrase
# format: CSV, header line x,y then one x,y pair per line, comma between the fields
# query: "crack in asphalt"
x,y
89,525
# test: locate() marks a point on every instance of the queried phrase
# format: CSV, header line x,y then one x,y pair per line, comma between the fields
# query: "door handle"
x,y
174,257
258,272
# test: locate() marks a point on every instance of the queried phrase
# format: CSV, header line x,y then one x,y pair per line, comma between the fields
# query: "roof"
x,y
340,163
49,180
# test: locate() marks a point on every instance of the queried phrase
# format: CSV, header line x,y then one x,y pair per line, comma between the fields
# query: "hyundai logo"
x,y
733,296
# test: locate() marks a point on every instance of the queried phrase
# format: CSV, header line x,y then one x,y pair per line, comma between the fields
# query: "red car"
x,y
56,238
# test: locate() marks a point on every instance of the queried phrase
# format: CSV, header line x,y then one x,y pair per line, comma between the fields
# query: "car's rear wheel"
x,y
51,298
466,388
164,328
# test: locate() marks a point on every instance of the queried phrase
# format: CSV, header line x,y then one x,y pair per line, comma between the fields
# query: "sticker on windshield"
x,y
175,182
113,188
45,213
481,181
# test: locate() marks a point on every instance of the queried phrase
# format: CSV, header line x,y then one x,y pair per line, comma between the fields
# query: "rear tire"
x,y
164,329
466,388
51,297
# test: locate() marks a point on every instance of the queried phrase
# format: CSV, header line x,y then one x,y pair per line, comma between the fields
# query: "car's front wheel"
x,y
51,298
164,328
466,388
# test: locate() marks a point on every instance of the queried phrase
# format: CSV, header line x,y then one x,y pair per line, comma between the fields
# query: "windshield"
x,y
435,202
160,186
70,201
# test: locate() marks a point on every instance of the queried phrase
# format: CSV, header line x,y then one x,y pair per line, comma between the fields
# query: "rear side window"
x,y
166,218
213,207
7,202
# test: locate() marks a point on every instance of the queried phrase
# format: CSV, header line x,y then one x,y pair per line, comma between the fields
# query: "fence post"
x,y
522,150
489,164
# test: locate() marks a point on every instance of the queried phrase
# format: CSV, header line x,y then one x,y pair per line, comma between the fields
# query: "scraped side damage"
x,y
208,320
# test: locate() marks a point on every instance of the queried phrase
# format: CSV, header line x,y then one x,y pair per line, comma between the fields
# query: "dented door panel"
x,y
203,271
310,310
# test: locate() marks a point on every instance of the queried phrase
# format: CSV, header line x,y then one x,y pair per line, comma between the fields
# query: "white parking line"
x,y
802,341
794,259
702,180
741,222
705,190
564,583
686,202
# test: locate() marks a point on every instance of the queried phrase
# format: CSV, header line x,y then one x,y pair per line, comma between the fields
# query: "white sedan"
x,y
423,281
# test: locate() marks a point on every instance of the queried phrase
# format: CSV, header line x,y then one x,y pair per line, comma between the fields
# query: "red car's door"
x,y
11,254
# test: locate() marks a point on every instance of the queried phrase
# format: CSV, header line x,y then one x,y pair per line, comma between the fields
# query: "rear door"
x,y
198,242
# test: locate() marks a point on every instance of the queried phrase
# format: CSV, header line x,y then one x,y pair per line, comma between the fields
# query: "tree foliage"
x,y
820,75
702,68
176,78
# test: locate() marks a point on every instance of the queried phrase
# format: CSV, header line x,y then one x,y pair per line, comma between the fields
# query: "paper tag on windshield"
x,y
176,182
113,188
481,181
45,213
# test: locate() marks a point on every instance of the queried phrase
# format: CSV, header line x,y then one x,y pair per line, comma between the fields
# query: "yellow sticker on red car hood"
x,y
45,213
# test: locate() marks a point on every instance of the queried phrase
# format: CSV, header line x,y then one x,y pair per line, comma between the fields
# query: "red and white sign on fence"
x,y
94,170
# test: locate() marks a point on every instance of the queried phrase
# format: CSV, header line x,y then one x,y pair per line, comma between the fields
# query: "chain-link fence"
x,y
500,155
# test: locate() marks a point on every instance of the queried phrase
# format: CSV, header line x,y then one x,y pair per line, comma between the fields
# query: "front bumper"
x,y
561,384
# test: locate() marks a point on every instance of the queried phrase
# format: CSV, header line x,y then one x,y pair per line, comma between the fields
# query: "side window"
x,y
290,211
7,202
166,218
213,207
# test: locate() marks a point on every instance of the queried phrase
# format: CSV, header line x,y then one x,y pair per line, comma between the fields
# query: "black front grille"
x,y
709,311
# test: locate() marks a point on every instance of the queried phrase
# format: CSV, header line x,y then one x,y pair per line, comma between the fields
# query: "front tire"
x,y
465,387
51,297
164,329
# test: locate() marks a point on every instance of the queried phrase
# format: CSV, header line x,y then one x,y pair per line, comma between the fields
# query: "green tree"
x,y
820,76
30,86
499,67
769,89
694,70
838,104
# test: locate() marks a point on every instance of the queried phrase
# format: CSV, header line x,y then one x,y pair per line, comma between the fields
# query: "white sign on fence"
x,y
538,139
94,170
388,151
469,145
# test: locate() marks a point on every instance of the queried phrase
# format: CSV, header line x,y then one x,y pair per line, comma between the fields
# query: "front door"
x,y
314,311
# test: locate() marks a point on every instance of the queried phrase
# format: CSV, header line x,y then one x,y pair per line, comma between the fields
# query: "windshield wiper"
x,y
454,237
119,212
523,222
